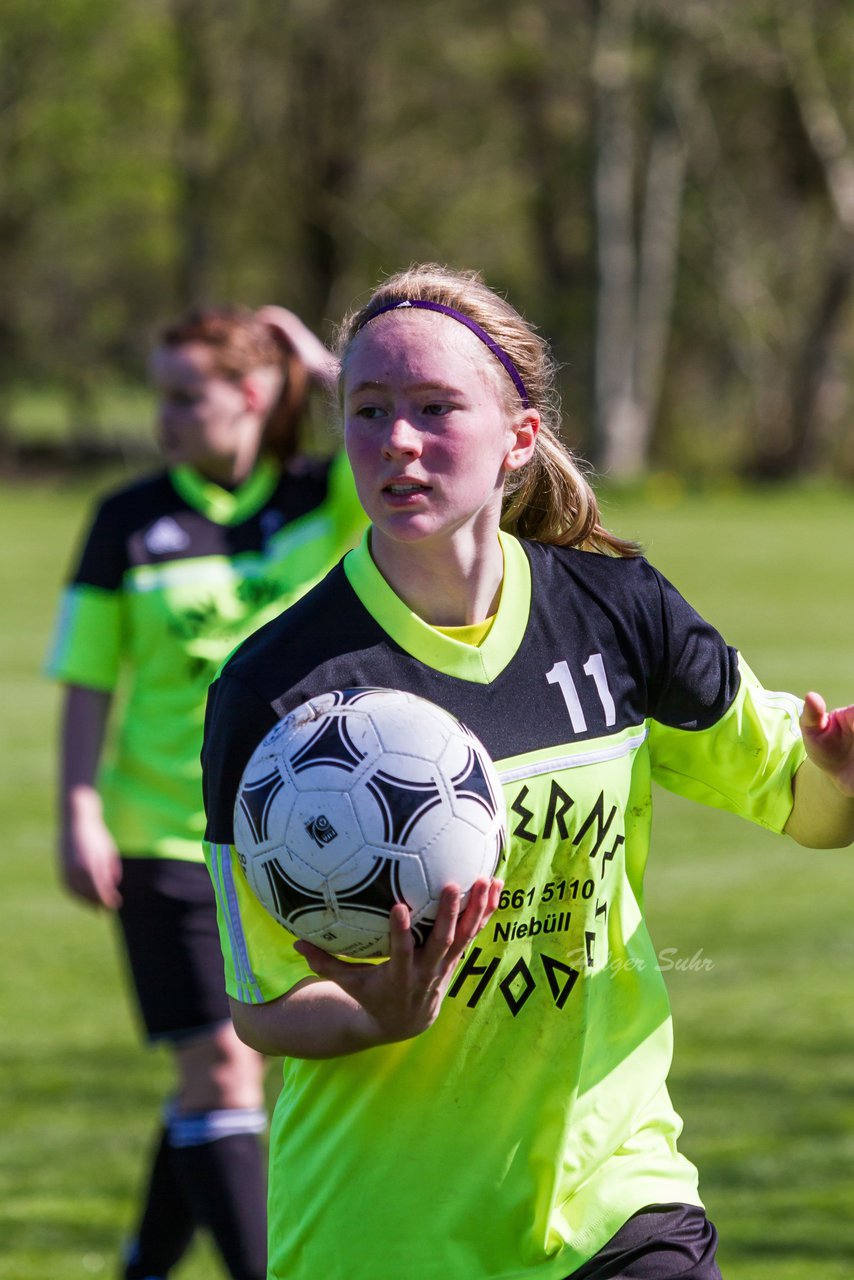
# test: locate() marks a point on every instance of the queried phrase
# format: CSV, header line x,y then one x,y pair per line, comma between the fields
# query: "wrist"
x,y
82,802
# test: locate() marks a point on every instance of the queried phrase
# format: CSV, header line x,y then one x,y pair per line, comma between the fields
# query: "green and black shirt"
x,y
175,572
516,1135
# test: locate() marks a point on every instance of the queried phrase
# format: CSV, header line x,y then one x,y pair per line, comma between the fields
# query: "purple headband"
x,y
497,351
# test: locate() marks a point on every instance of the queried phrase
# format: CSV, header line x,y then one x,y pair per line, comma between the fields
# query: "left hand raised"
x,y
318,360
829,740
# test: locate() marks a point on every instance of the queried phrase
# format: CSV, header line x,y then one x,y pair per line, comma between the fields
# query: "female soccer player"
x,y
176,570
494,1104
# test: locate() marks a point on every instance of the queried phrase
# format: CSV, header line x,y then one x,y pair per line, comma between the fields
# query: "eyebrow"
x,y
376,385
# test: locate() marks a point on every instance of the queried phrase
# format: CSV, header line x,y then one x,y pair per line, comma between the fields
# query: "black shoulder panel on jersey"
x,y
699,675
105,554
236,720
608,643
150,523
683,672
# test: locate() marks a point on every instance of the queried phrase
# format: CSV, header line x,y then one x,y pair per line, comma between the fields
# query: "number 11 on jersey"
x,y
594,667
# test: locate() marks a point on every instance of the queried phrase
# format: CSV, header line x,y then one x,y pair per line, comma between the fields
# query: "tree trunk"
x,y
636,275
825,130
814,359
616,422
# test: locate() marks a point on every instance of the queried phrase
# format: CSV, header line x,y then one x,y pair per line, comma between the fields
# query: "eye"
x,y
437,410
368,411
182,399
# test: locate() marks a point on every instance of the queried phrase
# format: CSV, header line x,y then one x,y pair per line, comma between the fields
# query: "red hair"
x,y
240,343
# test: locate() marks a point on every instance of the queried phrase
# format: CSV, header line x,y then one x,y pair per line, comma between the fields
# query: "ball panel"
x,y
323,830
361,798
330,746
255,802
471,774
390,805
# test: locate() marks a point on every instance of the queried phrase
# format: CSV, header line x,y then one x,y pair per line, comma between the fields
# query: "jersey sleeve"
x,y
716,735
258,953
260,962
696,676
744,762
87,640
236,719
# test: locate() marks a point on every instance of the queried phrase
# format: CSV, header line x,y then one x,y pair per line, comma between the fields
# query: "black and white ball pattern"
x,y
361,798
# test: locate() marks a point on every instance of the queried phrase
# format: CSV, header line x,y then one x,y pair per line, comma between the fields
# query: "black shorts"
x,y
168,917
662,1242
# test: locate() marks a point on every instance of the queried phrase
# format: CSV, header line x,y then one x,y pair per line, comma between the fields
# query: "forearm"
x,y
316,1019
88,858
84,727
822,815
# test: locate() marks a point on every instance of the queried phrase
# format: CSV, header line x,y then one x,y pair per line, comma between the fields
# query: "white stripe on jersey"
x,y
227,894
622,748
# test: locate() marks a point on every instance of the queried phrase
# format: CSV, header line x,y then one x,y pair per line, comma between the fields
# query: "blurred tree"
x,y
770,158
666,189
79,242
637,207
810,78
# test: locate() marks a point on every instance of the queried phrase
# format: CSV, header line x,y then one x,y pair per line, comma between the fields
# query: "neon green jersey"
x,y
520,1132
175,572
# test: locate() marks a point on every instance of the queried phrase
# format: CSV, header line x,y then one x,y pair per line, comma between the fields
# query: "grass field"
x,y
757,931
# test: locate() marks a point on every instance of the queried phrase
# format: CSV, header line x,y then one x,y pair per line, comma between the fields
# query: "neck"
x,y
228,473
453,586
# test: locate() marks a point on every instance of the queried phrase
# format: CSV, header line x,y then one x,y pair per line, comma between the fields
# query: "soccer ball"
x,y
359,799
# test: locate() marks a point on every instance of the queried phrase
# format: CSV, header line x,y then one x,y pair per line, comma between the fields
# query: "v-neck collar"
x,y
226,506
480,664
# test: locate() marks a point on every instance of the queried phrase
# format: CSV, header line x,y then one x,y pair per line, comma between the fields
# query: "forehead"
x,y
420,346
190,362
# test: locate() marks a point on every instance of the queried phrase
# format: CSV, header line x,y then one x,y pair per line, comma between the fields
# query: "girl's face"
x,y
428,428
205,420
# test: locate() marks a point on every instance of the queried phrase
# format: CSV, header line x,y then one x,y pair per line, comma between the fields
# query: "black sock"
x,y
224,1182
167,1223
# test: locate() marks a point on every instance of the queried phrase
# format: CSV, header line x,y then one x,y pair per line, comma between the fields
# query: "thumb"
x,y
814,716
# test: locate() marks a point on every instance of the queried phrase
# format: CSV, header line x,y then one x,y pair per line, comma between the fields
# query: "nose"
x,y
402,439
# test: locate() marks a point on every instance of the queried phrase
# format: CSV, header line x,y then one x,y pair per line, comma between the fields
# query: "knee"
x,y
219,1072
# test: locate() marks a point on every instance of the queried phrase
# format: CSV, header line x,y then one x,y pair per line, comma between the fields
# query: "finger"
x,y
814,715
471,920
401,940
493,899
105,882
445,925
474,915
107,886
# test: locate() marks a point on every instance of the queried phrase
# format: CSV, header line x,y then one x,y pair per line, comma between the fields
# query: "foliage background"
x,y
667,190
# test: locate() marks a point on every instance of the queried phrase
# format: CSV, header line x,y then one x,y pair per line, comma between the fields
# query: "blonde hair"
x,y
550,499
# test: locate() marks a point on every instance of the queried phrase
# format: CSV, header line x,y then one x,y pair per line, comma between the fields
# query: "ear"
x,y
260,388
251,394
525,431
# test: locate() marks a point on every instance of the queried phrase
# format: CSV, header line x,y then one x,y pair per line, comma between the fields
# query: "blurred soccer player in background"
x,y
176,570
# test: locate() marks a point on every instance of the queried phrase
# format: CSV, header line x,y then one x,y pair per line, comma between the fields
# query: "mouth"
x,y
404,488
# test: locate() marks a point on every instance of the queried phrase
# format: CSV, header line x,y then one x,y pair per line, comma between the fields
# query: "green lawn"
x,y
757,930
